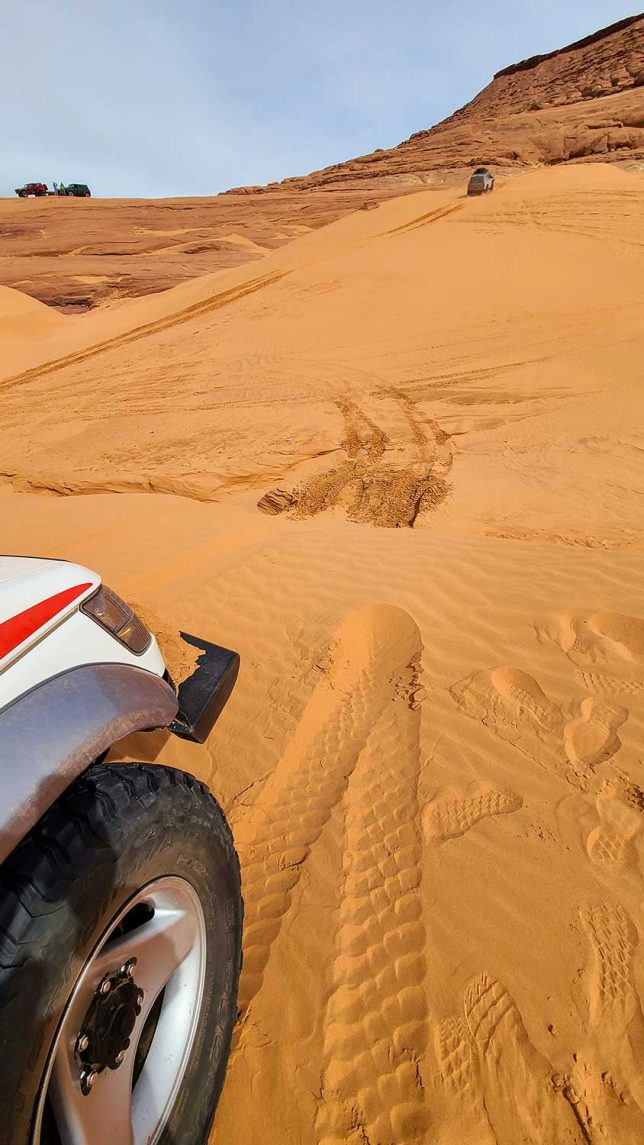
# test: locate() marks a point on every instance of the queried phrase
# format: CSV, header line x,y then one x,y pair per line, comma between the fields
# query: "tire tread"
x,y
84,827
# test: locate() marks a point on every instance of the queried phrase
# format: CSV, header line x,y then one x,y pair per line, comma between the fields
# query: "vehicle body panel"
x,y
25,584
13,567
52,733
71,688
76,641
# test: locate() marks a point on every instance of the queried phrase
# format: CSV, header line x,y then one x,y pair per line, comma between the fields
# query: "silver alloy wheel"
x,y
170,953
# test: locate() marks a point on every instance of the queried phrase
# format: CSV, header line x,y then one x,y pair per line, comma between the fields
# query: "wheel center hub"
x,y
108,1024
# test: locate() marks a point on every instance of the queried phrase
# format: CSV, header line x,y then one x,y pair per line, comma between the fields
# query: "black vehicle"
x,y
77,190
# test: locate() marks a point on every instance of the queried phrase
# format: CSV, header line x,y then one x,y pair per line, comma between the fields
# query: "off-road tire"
x,y
117,828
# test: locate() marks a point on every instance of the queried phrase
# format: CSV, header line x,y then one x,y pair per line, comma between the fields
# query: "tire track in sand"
x,y
386,480
375,1031
424,220
371,656
214,302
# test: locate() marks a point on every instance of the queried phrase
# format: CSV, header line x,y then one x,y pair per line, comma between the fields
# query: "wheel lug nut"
x,y
105,986
82,1043
88,1077
120,1057
129,968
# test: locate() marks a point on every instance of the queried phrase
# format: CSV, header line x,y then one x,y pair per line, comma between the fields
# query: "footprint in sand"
x,y
454,1052
459,1076
616,1022
608,686
507,698
611,843
451,813
515,706
635,796
372,654
613,999
519,693
592,737
516,1079
611,640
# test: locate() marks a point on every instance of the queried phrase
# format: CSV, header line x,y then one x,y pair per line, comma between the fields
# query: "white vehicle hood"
x,y
36,595
11,567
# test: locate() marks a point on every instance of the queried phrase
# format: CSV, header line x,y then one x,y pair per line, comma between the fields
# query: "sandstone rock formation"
x,y
75,254
584,101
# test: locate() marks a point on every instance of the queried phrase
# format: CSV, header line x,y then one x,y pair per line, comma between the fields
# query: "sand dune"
x,y
26,327
397,465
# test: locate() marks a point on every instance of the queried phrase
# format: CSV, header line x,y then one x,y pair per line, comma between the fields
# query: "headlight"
x,y
117,618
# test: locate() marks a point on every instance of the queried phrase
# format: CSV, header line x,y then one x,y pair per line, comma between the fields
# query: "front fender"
x,y
50,735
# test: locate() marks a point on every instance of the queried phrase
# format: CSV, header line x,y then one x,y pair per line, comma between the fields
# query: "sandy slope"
x,y
433,759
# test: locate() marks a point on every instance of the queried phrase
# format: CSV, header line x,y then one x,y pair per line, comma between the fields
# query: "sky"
x,y
143,98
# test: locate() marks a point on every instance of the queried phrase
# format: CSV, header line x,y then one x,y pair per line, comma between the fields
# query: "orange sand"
x,y
433,758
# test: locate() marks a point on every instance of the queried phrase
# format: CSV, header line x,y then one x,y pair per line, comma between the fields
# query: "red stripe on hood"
x,y
23,625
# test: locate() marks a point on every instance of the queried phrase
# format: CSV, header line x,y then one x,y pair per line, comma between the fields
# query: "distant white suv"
x,y
120,900
480,182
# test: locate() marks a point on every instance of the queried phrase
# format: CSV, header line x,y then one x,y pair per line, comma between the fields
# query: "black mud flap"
x,y
203,695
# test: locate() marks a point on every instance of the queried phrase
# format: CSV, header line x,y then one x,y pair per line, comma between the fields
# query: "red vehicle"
x,y
36,189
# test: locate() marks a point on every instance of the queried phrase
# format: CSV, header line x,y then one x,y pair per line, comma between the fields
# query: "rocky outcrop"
x,y
75,254
607,37
581,102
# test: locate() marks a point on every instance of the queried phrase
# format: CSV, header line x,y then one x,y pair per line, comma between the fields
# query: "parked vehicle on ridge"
x,y
36,189
77,190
